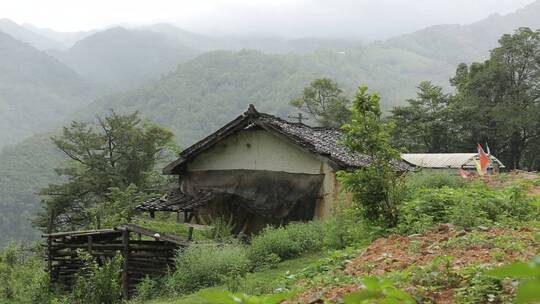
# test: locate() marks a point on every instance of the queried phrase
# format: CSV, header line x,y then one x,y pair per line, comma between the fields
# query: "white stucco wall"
x,y
256,150
260,150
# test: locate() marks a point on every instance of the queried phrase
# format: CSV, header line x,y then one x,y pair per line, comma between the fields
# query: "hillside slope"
x,y
23,34
36,91
26,168
465,43
119,57
206,92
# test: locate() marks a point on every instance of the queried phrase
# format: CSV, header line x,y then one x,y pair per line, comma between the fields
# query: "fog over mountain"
x,y
366,20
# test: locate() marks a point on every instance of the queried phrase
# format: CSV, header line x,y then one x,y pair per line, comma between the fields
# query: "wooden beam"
x,y
49,261
90,241
125,255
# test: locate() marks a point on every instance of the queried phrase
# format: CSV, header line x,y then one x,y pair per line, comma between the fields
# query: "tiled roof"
x,y
176,200
323,142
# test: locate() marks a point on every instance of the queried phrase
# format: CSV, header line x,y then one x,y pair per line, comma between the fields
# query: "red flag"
x,y
484,159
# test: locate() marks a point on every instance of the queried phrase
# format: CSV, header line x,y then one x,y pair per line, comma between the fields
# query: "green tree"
x,y
119,156
374,187
324,102
499,100
425,124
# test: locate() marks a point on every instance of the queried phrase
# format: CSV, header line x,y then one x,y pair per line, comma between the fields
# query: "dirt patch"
x,y
399,252
506,179
396,253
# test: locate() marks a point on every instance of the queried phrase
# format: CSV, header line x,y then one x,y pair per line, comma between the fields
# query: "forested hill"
x,y
126,58
466,43
26,168
36,91
212,89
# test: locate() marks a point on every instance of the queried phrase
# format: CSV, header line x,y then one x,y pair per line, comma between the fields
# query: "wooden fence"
x,y
145,253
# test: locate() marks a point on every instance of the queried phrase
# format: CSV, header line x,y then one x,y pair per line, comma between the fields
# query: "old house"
x,y
259,169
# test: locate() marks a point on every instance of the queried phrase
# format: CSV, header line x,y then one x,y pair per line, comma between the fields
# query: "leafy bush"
x,y
347,228
148,289
434,179
465,207
22,276
480,288
527,273
205,265
280,243
98,284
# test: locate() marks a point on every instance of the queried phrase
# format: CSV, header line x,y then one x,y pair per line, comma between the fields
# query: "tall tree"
x,y
500,98
120,153
375,186
425,124
323,100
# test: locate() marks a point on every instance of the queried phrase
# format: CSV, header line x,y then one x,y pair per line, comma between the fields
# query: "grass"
x,y
262,281
167,224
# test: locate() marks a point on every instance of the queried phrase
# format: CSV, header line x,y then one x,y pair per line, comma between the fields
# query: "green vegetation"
x,y
275,244
294,260
108,167
376,187
324,102
496,102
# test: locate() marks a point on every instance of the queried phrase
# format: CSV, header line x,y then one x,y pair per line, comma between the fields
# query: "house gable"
x,y
256,149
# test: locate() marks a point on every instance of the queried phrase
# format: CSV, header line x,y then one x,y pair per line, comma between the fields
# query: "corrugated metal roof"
x,y
444,160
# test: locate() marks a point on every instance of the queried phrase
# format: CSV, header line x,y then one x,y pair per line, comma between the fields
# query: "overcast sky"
x,y
366,19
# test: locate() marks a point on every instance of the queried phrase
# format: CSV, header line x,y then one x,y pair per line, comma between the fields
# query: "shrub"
x,y
208,264
480,288
148,289
465,207
284,243
22,276
346,228
98,284
434,179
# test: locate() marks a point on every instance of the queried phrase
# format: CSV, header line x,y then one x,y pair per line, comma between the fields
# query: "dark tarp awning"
x,y
268,194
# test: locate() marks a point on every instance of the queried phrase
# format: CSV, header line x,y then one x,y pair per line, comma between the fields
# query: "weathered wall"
x,y
260,150
256,150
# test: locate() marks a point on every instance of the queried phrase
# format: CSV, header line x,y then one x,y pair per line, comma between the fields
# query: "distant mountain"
x,y
263,44
23,34
36,91
25,168
122,58
65,39
211,89
465,43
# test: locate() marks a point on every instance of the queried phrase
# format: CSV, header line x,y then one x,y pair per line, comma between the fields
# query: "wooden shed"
x,y
145,253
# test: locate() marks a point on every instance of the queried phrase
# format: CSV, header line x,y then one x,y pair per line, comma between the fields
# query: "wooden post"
x,y
190,233
125,254
186,219
178,216
49,260
152,214
90,241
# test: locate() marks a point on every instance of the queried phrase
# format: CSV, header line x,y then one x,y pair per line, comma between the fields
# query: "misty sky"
x,y
364,19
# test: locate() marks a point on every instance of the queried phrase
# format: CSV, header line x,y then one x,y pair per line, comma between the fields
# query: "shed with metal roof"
x,y
448,160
